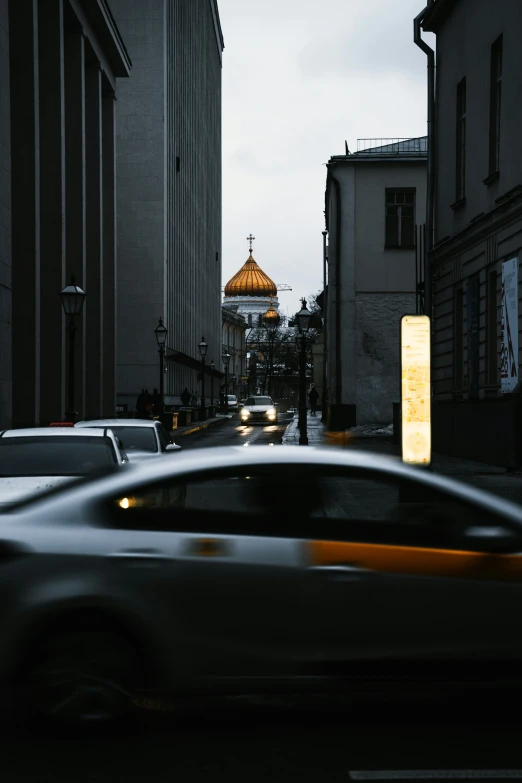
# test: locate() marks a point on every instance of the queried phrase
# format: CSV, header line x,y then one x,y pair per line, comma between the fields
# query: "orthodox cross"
x,y
250,239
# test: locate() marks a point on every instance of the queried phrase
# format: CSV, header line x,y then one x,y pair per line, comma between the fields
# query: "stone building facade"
x,y
374,198
168,191
478,229
59,60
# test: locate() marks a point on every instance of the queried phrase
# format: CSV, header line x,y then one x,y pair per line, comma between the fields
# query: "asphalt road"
x,y
234,741
234,433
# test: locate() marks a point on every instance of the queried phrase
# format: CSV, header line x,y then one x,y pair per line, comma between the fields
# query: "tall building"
x,y
478,229
59,62
168,192
374,198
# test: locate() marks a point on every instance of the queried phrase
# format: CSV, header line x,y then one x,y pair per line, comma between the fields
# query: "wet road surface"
x,y
234,433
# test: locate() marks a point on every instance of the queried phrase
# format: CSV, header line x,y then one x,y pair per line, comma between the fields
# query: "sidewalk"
x,y
200,425
378,439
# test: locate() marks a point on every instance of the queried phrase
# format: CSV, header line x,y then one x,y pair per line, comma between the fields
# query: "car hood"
x,y
258,408
16,488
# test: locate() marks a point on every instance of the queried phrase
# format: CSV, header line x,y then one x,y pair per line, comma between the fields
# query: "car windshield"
x,y
259,401
232,398
138,438
55,456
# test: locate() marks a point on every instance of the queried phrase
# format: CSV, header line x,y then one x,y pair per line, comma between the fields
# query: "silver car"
x,y
35,459
282,568
141,438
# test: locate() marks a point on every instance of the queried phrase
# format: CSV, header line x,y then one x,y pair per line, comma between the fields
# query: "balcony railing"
x,y
394,146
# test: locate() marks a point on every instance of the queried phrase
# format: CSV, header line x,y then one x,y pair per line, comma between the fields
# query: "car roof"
x,y
201,461
116,423
39,432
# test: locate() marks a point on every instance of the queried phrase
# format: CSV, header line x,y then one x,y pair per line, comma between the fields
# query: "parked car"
x,y
233,405
141,438
36,459
290,568
259,409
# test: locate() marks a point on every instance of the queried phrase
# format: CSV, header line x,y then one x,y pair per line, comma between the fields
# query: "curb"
x,y
290,431
199,427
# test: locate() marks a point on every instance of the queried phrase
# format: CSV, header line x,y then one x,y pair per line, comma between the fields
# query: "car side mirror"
x,y
172,447
276,405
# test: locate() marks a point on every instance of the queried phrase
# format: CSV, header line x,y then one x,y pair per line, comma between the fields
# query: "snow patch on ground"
x,y
371,430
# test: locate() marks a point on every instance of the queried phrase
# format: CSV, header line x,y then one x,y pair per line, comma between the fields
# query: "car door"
x,y
403,571
233,580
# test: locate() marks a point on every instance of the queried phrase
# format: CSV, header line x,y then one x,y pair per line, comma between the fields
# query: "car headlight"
x,y
245,414
271,413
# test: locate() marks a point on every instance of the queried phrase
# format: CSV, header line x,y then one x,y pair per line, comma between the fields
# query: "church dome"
x,y
250,280
271,317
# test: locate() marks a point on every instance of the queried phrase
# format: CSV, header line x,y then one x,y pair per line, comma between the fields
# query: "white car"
x,y
260,569
36,459
141,438
233,404
259,409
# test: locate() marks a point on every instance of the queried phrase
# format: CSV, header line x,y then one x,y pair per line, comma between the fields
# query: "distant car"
x,y
141,438
233,404
259,409
37,459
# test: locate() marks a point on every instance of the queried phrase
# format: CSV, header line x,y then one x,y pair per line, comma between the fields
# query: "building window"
x,y
461,141
495,106
400,217
458,341
492,344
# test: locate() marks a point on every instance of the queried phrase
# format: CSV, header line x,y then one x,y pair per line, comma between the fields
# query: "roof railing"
x,y
393,146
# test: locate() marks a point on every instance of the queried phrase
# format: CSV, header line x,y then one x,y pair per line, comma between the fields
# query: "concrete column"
x,y
109,253
94,242
25,205
75,215
52,208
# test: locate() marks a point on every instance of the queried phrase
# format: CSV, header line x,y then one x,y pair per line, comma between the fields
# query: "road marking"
x,y
436,774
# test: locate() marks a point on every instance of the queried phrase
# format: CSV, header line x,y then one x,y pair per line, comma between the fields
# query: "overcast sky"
x,y
300,77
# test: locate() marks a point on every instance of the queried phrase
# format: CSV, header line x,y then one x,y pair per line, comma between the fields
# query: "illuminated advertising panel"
x,y
416,389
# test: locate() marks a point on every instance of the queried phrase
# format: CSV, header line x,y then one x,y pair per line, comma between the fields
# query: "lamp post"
x,y
203,348
72,297
161,332
303,324
212,368
248,381
226,359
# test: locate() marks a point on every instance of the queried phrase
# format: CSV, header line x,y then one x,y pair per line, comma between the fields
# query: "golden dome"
x,y
250,280
271,317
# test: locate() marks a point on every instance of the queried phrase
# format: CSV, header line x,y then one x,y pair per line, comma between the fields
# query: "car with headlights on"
x,y
259,409
141,438
36,459
254,571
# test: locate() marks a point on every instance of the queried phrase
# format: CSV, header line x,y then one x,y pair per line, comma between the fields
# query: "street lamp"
x,y
225,358
72,297
212,368
248,381
203,348
303,324
161,332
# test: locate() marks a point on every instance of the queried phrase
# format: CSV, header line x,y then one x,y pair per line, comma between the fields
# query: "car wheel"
x,y
83,678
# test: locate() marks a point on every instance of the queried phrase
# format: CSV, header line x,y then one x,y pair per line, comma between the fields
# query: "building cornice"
x,y
508,209
348,160
437,15
97,15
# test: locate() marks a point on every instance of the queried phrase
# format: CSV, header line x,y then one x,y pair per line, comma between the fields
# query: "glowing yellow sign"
x,y
415,389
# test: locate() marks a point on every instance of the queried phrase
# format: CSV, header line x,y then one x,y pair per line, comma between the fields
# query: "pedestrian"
x,y
313,397
156,401
185,397
140,404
